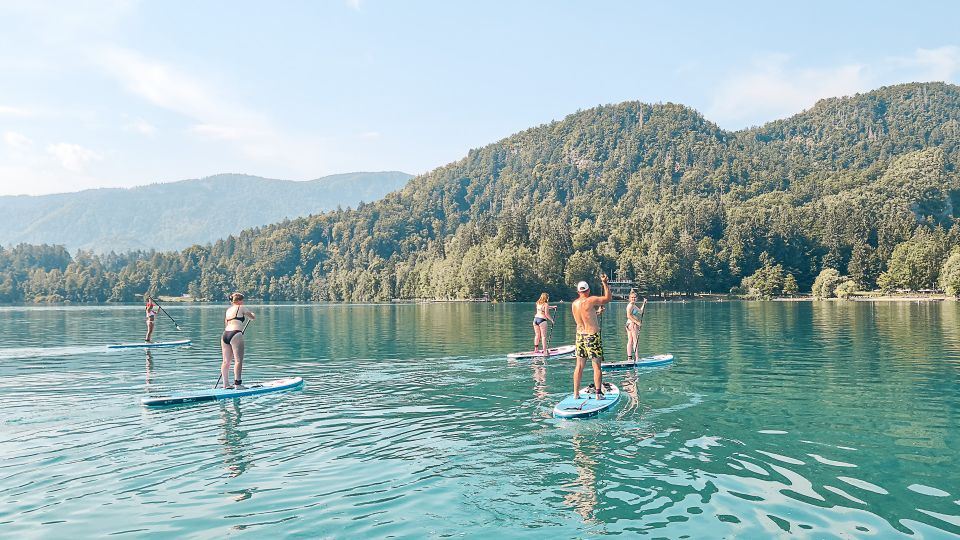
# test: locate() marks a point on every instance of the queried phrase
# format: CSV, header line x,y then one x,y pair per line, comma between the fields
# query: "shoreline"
x,y
670,299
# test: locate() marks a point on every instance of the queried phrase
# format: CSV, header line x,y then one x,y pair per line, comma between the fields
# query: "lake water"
x,y
807,420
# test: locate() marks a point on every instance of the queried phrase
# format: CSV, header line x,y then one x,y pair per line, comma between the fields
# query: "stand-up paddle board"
x,y
586,403
555,351
178,398
650,361
150,345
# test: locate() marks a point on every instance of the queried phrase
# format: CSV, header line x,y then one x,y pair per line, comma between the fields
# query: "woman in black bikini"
x,y
540,322
231,343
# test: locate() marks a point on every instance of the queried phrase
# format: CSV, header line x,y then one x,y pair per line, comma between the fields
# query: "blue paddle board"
x,y
179,398
554,351
650,361
586,403
150,345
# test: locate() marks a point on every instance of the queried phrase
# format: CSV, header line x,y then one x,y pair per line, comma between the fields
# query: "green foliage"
x,y
915,264
950,274
656,192
846,289
826,283
767,281
790,287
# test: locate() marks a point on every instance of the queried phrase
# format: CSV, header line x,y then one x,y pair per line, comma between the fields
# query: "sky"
x,y
120,93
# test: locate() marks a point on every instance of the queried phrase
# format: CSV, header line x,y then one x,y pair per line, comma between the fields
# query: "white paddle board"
x,y
555,351
650,361
150,345
178,398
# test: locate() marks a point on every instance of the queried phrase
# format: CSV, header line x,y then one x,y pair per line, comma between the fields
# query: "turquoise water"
x,y
826,420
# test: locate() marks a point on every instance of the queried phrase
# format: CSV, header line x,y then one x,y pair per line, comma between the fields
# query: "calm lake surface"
x,y
808,420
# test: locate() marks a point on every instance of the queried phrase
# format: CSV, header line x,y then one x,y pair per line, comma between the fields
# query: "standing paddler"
x,y
589,344
231,342
633,325
152,310
540,321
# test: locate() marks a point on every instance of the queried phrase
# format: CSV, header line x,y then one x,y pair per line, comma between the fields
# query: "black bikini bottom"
x,y
228,335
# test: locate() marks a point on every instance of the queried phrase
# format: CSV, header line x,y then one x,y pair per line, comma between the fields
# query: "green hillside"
x,y
654,191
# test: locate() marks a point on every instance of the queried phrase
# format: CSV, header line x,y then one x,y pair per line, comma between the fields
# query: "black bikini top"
x,y
236,316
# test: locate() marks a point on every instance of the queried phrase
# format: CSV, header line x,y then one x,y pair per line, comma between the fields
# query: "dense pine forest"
x,y
861,191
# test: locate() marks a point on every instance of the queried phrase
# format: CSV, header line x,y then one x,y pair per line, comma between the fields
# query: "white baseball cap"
x,y
583,286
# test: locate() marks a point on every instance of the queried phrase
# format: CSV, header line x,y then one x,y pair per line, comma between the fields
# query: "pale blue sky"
x,y
123,93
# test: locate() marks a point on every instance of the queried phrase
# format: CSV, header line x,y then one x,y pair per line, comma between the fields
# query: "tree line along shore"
x,y
859,193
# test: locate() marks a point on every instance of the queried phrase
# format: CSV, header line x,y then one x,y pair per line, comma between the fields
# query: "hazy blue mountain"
x,y
179,214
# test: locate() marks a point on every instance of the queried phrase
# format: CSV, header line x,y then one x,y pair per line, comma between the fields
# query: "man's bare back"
x,y
585,313
585,309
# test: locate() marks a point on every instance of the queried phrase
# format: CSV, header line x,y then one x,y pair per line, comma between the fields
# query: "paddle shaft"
x,y
177,326
220,376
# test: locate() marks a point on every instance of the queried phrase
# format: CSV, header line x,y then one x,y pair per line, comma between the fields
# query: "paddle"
x,y
177,326
546,340
220,376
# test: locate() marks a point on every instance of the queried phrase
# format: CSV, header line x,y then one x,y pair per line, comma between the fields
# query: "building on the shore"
x,y
621,286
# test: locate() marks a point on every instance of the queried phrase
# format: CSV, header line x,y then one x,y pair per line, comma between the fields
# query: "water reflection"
x,y
235,455
583,495
149,366
539,366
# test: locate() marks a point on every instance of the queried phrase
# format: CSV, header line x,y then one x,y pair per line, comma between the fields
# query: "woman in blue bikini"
x,y
634,322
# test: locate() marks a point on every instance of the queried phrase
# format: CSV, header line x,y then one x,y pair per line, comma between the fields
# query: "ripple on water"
x,y
428,431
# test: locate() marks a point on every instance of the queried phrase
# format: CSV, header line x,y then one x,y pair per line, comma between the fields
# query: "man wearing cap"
x,y
589,344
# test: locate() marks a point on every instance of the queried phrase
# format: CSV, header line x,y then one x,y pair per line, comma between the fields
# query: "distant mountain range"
x,y
179,214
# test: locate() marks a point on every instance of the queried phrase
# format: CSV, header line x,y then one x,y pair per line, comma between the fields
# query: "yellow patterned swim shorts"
x,y
589,346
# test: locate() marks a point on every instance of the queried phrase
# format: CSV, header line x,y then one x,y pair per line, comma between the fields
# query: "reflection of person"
x,y
540,322
231,343
634,322
235,458
152,310
583,499
540,380
589,344
149,364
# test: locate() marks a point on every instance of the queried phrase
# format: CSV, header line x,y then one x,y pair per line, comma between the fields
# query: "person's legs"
x,y
577,374
149,331
543,336
227,352
598,376
537,336
238,348
631,341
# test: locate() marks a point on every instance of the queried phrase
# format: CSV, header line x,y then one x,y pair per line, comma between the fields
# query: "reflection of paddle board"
x,y
211,395
554,351
586,404
151,345
650,361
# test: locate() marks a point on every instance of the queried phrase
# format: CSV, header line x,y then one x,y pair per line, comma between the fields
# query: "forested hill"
x,y
867,185
179,214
